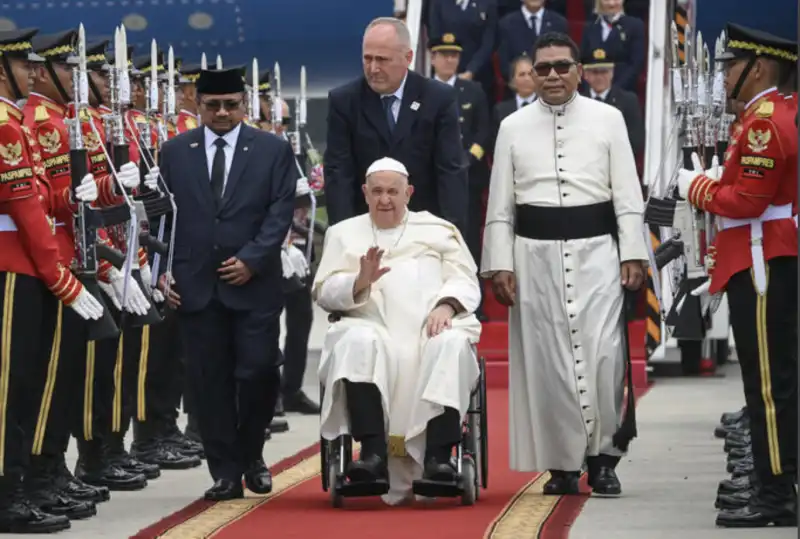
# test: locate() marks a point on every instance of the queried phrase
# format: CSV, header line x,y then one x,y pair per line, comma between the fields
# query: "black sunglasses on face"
x,y
561,68
214,105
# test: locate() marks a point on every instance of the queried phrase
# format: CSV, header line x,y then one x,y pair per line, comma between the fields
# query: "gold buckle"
x,y
756,242
397,446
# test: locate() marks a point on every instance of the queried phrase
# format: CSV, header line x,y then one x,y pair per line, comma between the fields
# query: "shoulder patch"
x,y
191,123
765,109
41,114
3,113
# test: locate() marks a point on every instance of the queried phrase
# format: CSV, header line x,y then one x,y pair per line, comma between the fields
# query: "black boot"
x,y
94,468
74,487
116,453
439,464
733,500
148,447
19,515
40,488
171,436
729,486
602,475
769,505
562,483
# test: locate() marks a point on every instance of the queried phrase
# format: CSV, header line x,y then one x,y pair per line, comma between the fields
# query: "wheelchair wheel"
x,y
483,432
324,460
469,480
333,469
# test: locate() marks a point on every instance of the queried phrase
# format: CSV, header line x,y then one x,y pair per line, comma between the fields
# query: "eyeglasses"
x,y
286,121
561,68
214,105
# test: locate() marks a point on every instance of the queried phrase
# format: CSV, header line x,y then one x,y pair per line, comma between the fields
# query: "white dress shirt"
x,y
521,100
451,81
602,95
399,95
537,19
231,137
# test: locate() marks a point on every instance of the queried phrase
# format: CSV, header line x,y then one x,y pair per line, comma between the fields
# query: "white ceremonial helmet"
x,y
387,164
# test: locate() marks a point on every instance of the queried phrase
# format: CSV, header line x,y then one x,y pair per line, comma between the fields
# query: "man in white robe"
x,y
399,365
563,238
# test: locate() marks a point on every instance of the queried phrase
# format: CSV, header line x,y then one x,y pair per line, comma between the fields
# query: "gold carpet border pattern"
x,y
526,513
206,524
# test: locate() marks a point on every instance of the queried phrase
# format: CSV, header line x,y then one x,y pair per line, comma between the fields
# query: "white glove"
x,y
151,179
128,175
302,187
147,280
87,306
685,179
135,301
111,294
87,190
713,173
293,262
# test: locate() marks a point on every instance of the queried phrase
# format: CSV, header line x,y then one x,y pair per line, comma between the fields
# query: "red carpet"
x,y
511,508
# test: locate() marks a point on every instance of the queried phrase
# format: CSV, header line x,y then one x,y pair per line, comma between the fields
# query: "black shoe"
x,y
279,425
52,501
733,417
74,487
258,478
101,473
224,489
134,466
368,469
605,482
722,431
164,456
730,486
172,437
562,483
436,470
739,453
19,515
740,467
737,441
734,500
300,403
784,515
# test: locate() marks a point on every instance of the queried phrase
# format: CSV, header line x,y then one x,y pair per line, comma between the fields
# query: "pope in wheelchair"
x,y
398,365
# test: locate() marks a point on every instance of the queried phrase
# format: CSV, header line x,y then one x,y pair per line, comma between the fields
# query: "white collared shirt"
x,y
399,95
602,95
521,100
231,137
537,18
608,25
451,81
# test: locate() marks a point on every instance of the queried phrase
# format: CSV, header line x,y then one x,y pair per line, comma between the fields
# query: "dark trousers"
x,y
159,378
765,329
233,365
365,409
61,383
478,182
27,319
299,317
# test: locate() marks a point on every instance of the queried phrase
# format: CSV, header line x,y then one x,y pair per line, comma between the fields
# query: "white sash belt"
x,y
772,213
7,224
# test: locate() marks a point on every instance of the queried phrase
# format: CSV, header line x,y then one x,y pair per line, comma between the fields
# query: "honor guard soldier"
x,y
187,98
34,287
265,99
755,262
45,113
475,132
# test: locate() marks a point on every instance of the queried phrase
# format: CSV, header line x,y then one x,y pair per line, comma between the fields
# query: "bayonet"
x,y
219,62
255,104
170,97
203,62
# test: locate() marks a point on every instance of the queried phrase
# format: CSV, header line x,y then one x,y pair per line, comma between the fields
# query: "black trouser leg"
x,y
478,178
765,329
442,434
365,408
299,318
130,377
27,320
156,378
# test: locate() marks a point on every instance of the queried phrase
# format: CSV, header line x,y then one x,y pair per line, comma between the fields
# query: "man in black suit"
x,y
522,85
519,30
475,133
394,112
599,74
234,186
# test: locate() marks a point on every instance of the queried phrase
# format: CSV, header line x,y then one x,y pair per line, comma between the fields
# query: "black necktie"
x,y
388,101
218,169
524,104
599,98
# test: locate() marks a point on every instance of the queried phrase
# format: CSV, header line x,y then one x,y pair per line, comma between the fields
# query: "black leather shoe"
x,y
721,431
562,483
738,453
729,486
605,482
368,469
154,452
258,478
300,403
50,500
733,417
172,438
224,489
744,464
756,517
734,500
134,466
279,425
74,487
737,441
104,474
443,472
19,515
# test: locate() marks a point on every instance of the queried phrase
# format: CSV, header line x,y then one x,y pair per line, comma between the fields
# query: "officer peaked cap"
x,y
17,43
743,42
58,48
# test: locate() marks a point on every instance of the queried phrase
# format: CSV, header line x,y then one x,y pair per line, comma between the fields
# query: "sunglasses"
x,y
561,68
215,105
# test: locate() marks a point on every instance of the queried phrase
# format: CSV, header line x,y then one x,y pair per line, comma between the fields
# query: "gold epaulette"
x,y
765,109
41,114
3,114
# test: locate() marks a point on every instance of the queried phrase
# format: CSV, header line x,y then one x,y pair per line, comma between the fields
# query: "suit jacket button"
x,y
216,221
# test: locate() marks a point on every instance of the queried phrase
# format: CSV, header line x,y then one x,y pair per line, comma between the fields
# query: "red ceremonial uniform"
x,y
135,120
759,178
186,121
28,243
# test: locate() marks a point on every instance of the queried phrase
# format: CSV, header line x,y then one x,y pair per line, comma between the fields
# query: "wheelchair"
x,y
471,460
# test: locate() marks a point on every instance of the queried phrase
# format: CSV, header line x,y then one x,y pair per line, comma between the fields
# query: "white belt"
x,y
772,213
7,224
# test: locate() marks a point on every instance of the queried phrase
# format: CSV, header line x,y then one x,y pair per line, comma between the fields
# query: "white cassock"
x,y
382,338
566,357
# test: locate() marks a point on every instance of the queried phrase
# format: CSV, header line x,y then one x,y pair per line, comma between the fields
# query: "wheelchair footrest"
x,y
360,489
437,489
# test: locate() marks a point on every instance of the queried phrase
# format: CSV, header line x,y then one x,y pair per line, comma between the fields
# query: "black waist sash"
x,y
565,222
